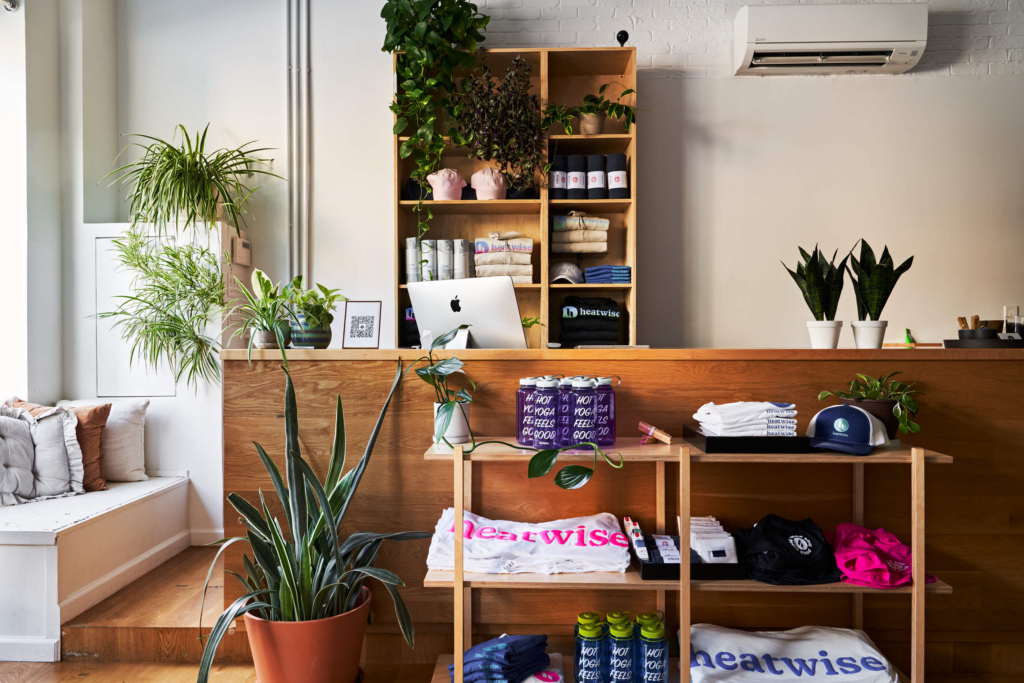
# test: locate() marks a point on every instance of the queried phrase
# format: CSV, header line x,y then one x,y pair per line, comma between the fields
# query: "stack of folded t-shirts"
x,y
508,659
578,233
505,253
747,418
590,321
608,275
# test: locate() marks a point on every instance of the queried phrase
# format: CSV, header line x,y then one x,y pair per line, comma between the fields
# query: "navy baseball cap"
x,y
848,429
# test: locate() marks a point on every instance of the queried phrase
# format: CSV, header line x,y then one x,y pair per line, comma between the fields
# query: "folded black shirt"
x,y
783,552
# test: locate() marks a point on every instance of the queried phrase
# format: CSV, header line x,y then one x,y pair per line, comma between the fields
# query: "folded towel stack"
x,y
505,253
618,177
558,178
508,659
578,233
607,275
747,418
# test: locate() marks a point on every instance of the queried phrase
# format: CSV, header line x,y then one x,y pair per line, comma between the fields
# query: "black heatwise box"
x,y
659,571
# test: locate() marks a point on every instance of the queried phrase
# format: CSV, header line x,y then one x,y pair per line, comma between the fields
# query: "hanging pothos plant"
x,y
432,41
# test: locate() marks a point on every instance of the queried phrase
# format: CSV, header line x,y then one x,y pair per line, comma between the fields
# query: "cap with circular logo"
x,y
848,429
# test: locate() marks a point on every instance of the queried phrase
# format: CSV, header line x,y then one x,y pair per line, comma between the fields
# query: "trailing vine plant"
x,y
432,41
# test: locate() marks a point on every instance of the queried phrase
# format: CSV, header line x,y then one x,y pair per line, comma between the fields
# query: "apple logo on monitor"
x,y
456,305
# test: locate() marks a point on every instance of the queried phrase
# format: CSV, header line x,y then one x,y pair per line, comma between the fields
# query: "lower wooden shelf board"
x,y
630,580
441,674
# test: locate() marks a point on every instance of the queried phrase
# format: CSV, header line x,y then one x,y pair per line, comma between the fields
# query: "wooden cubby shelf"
x,y
441,674
560,76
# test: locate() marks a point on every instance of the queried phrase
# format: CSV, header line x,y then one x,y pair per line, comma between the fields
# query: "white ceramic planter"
x,y
868,334
824,333
458,428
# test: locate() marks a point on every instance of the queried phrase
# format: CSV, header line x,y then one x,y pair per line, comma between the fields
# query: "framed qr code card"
x,y
362,325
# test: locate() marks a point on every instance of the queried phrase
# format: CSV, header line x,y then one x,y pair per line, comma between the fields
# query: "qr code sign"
x,y
361,327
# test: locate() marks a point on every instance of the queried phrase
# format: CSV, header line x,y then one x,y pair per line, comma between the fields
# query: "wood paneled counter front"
x,y
971,409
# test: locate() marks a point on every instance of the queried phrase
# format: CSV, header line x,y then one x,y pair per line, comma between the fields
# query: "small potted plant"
x,y
821,283
873,284
314,313
305,605
268,314
890,401
595,108
451,407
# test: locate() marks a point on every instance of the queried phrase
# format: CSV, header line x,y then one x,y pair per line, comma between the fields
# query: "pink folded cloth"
x,y
874,558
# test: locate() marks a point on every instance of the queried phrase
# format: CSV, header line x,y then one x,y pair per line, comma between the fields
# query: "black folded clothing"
x,y
783,552
411,191
574,340
609,325
559,165
617,180
594,320
577,181
597,187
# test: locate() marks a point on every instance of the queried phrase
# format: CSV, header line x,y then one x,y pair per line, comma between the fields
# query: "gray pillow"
x,y
58,466
17,484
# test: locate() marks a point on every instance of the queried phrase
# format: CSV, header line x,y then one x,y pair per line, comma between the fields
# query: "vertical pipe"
x,y
293,147
304,142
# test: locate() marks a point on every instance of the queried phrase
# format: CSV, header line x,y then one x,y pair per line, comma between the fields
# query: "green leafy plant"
x,y
174,311
266,309
303,570
498,119
559,113
820,281
615,109
317,305
437,373
884,389
529,322
874,280
184,185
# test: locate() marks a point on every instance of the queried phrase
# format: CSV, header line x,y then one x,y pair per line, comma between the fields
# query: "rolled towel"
x,y
596,186
580,236
577,177
579,247
578,221
503,257
618,177
558,177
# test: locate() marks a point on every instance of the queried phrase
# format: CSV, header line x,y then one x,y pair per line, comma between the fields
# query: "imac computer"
x,y
487,304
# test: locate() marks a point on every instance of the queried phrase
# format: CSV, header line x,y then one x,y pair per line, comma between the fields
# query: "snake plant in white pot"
x,y
873,282
821,283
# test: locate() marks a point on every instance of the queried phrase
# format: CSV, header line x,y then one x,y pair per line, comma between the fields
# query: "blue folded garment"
x,y
509,650
512,675
608,280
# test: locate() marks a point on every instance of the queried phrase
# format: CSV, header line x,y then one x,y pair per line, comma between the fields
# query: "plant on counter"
x,y
437,372
314,310
499,120
305,601
821,283
872,286
592,112
176,300
183,185
891,401
268,315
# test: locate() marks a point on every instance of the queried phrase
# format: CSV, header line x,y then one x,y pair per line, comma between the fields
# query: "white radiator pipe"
x,y
299,139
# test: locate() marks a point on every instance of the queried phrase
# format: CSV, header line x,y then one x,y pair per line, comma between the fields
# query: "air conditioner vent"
x,y
821,58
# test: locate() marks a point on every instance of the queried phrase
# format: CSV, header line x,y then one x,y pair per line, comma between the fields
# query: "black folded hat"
x,y
597,188
577,176
560,168
618,176
783,552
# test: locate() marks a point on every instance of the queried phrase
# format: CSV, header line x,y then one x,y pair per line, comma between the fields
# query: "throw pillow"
x,y
89,432
17,484
124,437
57,463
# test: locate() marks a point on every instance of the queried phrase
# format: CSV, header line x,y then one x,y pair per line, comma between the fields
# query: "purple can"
x,y
545,414
604,409
524,411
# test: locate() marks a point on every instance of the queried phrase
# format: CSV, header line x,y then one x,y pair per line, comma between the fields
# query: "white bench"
x,y
60,557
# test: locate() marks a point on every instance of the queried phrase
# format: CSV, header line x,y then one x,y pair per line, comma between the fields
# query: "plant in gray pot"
x,y
314,313
821,283
267,315
890,401
873,285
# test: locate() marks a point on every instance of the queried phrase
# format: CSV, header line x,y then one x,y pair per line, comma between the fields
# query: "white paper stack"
x,y
711,541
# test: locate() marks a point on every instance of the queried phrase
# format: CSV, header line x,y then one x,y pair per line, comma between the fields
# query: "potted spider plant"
x,y
892,402
873,282
821,283
305,606
268,314
314,313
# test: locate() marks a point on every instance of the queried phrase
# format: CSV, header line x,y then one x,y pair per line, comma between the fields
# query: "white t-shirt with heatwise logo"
x,y
581,544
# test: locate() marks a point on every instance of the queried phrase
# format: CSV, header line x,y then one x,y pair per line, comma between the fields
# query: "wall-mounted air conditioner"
x,y
829,39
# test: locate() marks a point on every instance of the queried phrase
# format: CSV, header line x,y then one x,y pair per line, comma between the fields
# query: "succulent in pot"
x,y
890,401
873,282
305,605
314,313
821,283
268,315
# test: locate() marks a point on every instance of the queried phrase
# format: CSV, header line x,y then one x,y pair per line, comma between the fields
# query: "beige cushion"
x,y
17,484
124,438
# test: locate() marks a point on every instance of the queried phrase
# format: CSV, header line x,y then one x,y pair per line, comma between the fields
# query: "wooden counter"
x,y
971,409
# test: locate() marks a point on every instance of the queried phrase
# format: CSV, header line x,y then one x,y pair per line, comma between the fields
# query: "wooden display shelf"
x,y
630,580
630,449
476,207
592,285
534,286
441,674
611,143
594,206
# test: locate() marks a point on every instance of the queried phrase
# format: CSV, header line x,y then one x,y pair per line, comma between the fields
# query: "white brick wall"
x,y
693,38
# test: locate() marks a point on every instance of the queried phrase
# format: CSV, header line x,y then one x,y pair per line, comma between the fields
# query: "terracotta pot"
x,y
880,408
591,124
319,651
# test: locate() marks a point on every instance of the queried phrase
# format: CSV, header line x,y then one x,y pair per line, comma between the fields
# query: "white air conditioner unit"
x,y
829,39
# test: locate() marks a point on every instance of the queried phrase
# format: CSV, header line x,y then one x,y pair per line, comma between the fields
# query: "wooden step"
x,y
156,618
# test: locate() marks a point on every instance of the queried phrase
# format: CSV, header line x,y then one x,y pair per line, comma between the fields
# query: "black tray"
x,y
983,343
748,444
656,571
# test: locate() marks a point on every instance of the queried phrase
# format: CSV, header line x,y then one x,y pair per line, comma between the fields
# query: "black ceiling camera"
x,y
622,37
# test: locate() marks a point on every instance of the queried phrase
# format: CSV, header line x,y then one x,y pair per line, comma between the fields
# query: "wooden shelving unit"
x,y
560,76
684,453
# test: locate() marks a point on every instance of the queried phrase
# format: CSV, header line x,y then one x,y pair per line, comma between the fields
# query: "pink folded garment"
x,y
874,558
